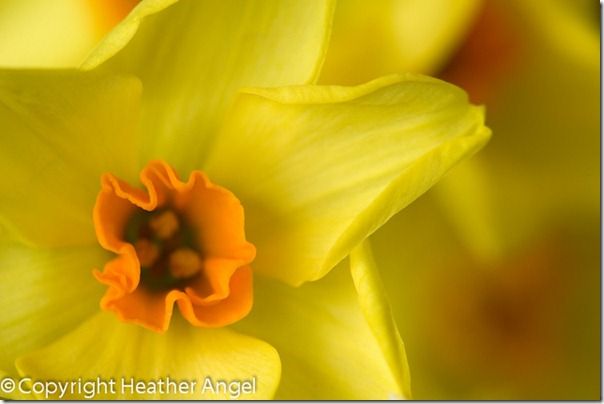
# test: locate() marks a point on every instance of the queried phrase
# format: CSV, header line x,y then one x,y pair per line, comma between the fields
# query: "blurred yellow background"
x,y
494,275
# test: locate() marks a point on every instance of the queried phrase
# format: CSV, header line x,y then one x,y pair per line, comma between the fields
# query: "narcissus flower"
x,y
252,187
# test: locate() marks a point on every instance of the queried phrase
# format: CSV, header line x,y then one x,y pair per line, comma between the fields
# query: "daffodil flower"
x,y
194,168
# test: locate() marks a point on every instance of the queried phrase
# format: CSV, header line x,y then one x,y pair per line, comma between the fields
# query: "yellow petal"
x,y
44,293
377,311
372,39
121,35
195,55
106,348
40,33
326,347
318,169
61,131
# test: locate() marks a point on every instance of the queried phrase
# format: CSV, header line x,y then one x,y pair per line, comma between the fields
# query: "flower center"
x,y
166,249
180,243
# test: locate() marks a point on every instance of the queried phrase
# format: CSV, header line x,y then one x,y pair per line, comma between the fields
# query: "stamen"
x,y
164,225
184,263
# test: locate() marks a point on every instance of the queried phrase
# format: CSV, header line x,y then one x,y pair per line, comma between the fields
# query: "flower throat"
x,y
165,247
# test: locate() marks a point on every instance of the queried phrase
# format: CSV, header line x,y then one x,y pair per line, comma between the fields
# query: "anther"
x,y
184,263
164,225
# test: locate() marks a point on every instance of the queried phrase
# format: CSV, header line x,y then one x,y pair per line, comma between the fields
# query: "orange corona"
x,y
177,242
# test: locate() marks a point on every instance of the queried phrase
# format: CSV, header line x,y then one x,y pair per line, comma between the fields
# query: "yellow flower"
x,y
494,311
218,93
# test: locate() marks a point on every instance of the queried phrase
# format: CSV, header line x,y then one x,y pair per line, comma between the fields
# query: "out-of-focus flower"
x,y
507,306
376,38
317,169
59,33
